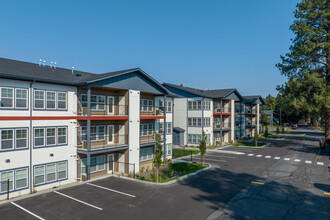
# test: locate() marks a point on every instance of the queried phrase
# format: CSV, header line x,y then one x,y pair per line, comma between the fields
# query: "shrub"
x,y
277,130
141,169
152,176
231,142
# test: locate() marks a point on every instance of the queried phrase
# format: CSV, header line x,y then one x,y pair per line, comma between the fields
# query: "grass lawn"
x,y
183,169
289,133
249,144
180,153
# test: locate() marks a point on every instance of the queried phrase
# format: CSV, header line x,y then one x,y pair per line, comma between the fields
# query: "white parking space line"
x,y
112,190
31,213
268,157
286,158
78,200
297,160
250,155
320,163
308,161
259,155
277,158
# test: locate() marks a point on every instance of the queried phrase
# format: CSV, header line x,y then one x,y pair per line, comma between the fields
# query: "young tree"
x,y
158,154
256,136
266,132
202,148
310,52
278,129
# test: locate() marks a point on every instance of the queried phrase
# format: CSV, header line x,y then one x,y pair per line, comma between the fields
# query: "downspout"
x,y
31,136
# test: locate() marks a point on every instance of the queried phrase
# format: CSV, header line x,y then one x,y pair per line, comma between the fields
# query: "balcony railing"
x,y
249,123
150,139
224,110
106,142
225,125
152,111
107,110
249,111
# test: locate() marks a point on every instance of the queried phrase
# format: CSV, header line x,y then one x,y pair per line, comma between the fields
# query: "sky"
x,y
206,44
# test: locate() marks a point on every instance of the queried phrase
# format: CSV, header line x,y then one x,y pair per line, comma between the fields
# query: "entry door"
x,y
111,163
121,134
121,164
111,134
111,105
122,105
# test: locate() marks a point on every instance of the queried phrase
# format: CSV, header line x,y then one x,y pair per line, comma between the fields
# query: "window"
x,y
194,105
51,136
146,153
168,149
101,102
21,98
62,170
146,105
61,135
101,162
194,138
169,128
21,178
146,129
97,133
83,166
97,102
7,98
101,133
21,138
168,106
161,103
39,99
111,104
39,174
194,122
93,133
61,100
5,176
7,139
39,137
161,127
207,122
207,105
51,172
50,100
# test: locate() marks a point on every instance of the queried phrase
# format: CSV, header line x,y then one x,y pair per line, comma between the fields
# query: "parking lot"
x,y
238,176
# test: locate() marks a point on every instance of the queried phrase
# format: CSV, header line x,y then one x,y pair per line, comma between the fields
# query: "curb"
x,y
169,182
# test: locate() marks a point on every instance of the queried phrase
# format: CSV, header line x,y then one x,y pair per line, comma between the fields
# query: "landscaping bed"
x,y
181,153
171,172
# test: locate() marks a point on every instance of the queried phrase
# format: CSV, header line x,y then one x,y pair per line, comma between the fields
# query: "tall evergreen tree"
x,y
310,52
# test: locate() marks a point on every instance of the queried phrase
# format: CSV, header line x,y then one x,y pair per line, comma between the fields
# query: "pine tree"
x,y
310,52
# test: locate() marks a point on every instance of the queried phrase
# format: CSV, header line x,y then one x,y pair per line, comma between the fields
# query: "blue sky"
x,y
209,44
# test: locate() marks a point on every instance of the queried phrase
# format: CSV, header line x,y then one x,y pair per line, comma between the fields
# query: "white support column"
x,y
232,120
134,129
258,118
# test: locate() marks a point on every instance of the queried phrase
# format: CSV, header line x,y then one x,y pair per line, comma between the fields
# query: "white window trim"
x,y
26,99
34,175
13,180
55,101
66,100
142,106
46,173
13,139
34,138
112,104
27,177
58,170
46,136
27,134
13,97
34,98
66,136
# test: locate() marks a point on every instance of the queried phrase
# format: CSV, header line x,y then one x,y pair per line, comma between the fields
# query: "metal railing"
x,y
224,110
224,125
108,110
152,111
114,141
150,138
8,186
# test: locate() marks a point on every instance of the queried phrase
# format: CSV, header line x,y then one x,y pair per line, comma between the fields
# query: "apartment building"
x,y
252,108
211,111
58,126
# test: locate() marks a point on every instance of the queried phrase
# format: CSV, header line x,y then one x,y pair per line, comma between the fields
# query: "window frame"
x,y
12,98
26,99
34,174
34,99
46,136
27,178
146,105
27,138
57,136
46,102
65,101
34,137
12,140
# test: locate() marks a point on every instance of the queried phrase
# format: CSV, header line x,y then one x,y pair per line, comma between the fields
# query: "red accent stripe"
x,y
16,118
152,117
217,113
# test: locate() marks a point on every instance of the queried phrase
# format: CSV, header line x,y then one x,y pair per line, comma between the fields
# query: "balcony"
x,y
224,110
105,110
152,111
146,139
108,142
225,125
249,123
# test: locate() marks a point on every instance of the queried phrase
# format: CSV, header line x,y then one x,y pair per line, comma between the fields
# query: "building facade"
x,y
60,126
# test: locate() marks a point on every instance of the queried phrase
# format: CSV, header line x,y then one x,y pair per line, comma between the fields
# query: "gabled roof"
x,y
216,93
253,98
14,69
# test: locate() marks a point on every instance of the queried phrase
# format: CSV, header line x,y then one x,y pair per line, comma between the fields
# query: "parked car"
x,y
294,126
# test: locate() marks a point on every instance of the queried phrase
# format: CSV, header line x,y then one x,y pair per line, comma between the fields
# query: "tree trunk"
x,y
202,159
